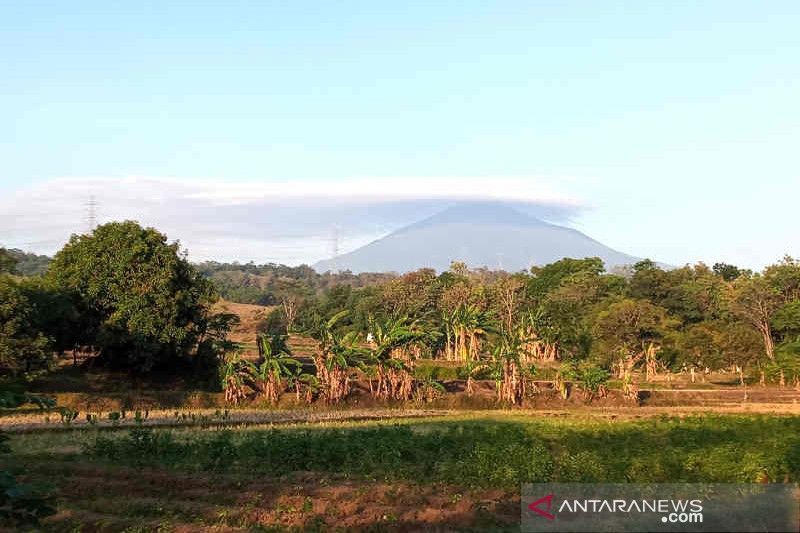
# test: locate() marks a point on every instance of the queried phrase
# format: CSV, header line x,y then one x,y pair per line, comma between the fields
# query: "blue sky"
x,y
674,126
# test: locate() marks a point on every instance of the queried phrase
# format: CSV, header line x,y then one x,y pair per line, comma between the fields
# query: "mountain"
x,y
479,234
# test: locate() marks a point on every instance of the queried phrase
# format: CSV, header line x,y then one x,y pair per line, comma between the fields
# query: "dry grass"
x,y
250,316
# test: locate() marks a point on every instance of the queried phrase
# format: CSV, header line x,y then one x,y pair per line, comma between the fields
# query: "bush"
x,y
593,377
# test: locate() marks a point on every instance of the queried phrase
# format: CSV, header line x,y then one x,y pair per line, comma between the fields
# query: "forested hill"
x,y
267,284
238,282
28,264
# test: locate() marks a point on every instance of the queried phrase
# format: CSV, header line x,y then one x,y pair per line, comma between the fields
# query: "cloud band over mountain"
x,y
261,221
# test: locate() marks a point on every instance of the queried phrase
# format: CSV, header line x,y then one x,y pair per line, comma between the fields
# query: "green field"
x,y
396,472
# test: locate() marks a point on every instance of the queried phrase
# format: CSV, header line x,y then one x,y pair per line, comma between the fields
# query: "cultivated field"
x,y
456,472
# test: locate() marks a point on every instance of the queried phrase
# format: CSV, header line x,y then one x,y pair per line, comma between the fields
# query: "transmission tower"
x,y
91,213
334,247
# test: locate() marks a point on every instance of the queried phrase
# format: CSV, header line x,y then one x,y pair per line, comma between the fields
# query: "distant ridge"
x,y
480,234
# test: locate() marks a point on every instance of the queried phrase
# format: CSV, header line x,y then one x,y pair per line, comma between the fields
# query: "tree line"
x,y
694,319
271,283
134,301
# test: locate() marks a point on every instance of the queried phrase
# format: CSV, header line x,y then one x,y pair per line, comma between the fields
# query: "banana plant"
x,y
234,374
336,357
428,390
390,339
305,385
470,326
470,370
511,375
274,366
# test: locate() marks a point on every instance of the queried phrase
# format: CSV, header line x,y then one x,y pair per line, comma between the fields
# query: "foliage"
x,y
786,321
125,293
511,375
389,357
656,319
274,367
269,284
785,368
23,348
630,331
21,504
493,453
142,303
754,301
593,379
337,356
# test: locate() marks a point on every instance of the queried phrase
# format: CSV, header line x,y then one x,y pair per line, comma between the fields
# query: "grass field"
x,y
457,473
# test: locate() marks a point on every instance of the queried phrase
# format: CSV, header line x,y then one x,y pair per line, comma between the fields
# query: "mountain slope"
x,y
482,234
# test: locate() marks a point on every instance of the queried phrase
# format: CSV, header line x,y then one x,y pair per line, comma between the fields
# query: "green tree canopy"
x,y
628,326
143,304
22,347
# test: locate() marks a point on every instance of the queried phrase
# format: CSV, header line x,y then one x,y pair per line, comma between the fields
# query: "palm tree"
x,y
470,370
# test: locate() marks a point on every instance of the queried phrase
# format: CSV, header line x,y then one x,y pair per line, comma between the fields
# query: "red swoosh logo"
x,y
535,507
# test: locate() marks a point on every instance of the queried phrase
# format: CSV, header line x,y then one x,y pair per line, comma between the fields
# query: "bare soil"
x,y
115,498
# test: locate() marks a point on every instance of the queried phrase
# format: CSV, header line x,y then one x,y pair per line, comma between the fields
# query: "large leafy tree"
x,y
53,313
568,309
717,344
549,277
141,301
692,294
728,272
786,322
755,300
22,347
631,330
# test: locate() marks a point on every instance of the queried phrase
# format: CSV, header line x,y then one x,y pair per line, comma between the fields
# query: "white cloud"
x,y
289,222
